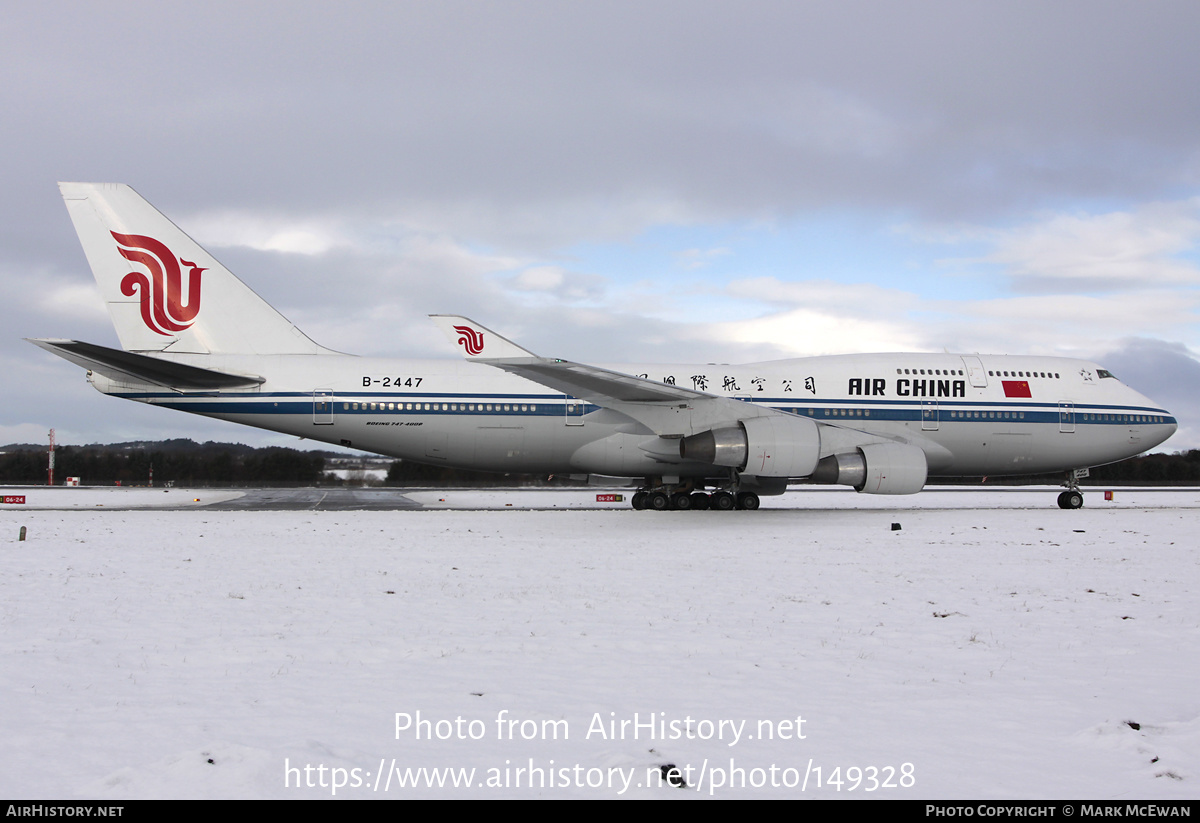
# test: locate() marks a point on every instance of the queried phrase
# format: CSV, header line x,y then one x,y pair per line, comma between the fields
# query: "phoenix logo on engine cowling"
x,y
161,292
470,340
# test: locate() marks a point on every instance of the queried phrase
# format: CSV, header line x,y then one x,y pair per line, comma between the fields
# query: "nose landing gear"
x,y
1072,498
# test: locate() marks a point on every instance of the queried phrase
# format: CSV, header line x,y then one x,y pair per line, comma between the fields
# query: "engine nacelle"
x,y
876,468
760,446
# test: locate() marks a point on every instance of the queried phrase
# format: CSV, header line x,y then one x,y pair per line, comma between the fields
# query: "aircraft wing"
x,y
595,384
128,367
591,383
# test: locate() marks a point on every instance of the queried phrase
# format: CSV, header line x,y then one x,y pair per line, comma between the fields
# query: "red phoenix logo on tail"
x,y
470,340
161,293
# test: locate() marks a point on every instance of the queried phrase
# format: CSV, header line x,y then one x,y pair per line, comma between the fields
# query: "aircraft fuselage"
x,y
972,415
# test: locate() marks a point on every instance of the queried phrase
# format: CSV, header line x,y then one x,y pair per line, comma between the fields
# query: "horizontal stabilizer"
x,y
127,367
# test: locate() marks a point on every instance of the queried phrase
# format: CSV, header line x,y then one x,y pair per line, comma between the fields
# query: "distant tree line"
x,y
1178,469
1181,468
182,462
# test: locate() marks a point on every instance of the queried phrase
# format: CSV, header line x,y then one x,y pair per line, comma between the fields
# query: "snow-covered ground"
x,y
992,647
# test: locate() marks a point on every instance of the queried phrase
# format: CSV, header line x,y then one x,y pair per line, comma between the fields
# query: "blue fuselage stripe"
x,y
542,405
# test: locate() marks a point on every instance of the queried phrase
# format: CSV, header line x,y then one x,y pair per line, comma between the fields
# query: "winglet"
x,y
478,342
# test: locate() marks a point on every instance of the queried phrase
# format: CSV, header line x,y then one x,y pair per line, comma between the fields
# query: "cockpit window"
x,y
1105,373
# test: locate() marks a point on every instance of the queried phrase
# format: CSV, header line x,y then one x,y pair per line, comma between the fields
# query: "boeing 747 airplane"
x,y
197,339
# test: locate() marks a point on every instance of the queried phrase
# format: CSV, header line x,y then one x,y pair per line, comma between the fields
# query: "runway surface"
x,y
127,498
337,499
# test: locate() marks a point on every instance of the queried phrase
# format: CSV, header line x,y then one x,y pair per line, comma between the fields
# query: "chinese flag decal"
x,y
1016,388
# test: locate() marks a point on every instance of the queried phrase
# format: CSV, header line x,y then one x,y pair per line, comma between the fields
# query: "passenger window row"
x,y
450,407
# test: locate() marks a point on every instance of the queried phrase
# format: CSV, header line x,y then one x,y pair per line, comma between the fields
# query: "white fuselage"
x,y
971,415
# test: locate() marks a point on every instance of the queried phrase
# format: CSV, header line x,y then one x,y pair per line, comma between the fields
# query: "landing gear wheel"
x,y
658,501
722,501
681,501
639,500
1070,500
747,501
700,501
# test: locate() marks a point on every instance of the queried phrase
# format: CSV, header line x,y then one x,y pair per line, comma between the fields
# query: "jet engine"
x,y
876,468
759,446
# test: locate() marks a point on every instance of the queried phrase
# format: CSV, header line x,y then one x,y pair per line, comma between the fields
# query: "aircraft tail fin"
x,y
163,291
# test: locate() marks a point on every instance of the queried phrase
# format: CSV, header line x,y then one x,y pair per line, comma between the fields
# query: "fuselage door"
x,y
975,371
573,409
323,407
929,415
1066,417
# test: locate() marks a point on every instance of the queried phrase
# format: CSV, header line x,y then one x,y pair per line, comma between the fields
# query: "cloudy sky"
x,y
609,181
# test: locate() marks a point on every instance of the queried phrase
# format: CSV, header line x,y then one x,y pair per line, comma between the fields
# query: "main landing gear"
x,y
687,498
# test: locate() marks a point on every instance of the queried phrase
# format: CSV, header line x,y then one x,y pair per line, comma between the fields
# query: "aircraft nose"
x,y
1163,431
1165,424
